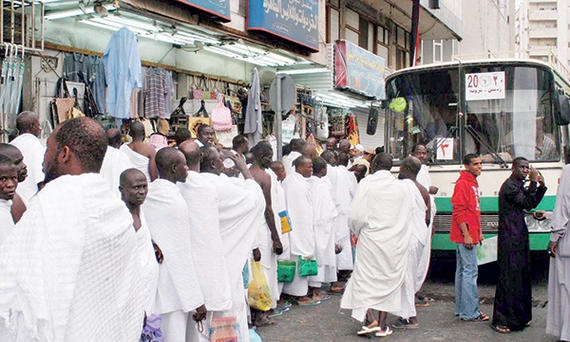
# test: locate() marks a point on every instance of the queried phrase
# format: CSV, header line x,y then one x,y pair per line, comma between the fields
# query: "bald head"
x,y
114,137
309,151
28,122
409,168
171,164
136,131
133,187
382,161
191,152
297,145
129,175
210,160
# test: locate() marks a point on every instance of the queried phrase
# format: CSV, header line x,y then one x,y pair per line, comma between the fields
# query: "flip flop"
x,y
366,330
311,303
337,289
279,312
405,324
385,333
426,299
325,297
501,329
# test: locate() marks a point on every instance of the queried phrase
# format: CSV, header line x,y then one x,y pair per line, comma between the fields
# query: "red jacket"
x,y
465,202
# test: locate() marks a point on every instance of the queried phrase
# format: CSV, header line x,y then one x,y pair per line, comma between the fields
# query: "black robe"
x,y
513,298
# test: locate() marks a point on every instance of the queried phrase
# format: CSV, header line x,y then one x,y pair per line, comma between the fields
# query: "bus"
x,y
500,109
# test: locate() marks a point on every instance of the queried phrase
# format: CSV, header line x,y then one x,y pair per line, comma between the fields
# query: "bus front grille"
x,y
489,222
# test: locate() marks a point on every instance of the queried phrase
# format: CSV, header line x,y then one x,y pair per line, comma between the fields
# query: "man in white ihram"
x,y
206,241
29,144
51,266
379,216
179,299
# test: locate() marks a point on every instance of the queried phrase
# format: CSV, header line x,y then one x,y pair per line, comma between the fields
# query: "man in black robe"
x,y
512,309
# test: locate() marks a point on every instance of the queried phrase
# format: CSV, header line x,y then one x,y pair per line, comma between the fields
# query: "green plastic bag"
x,y
258,292
307,267
286,270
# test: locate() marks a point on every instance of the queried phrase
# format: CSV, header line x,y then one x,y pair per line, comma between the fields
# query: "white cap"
x,y
359,147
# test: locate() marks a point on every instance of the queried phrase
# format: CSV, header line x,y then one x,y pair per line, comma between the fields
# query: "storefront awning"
x,y
439,23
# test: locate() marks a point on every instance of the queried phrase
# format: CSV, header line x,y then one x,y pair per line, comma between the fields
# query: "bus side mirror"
x,y
562,110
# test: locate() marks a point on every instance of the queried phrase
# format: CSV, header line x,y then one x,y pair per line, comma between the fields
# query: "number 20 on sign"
x,y
485,86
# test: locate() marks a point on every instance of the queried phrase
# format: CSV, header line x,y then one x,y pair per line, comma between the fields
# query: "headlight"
x,y
538,225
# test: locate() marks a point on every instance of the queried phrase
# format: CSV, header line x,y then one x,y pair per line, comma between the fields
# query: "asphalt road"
x,y
326,322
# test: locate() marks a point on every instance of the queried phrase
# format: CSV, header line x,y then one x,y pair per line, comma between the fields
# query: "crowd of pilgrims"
x,y
101,240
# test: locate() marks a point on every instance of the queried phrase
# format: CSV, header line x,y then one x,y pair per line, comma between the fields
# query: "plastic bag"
x,y
258,293
307,267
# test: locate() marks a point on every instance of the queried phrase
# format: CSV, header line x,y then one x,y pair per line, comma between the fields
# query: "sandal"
x,y
481,318
311,303
368,330
501,329
405,324
384,333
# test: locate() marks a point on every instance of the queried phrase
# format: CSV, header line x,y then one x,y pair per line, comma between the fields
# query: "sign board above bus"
x,y
293,20
359,70
485,86
218,8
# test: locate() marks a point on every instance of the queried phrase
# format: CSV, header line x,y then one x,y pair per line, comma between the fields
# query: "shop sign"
x,y
219,8
359,70
293,20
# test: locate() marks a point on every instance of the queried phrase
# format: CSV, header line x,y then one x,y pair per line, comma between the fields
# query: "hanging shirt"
x,y
123,71
158,93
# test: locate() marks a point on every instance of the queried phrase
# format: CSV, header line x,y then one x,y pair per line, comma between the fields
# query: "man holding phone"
x,y
466,233
513,298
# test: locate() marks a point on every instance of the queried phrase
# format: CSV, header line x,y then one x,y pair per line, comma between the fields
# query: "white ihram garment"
x,y
268,257
114,163
345,190
424,179
279,205
149,266
324,209
288,162
379,216
33,152
6,221
70,271
240,206
178,288
302,235
419,229
139,161
207,249
558,315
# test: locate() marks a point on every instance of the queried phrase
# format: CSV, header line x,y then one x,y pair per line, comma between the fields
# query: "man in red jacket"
x,y
466,232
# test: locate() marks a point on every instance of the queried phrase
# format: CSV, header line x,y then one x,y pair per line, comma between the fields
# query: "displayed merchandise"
x,y
89,70
221,116
158,93
123,72
253,119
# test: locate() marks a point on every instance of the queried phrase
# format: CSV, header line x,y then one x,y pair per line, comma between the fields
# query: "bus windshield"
x,y
518,122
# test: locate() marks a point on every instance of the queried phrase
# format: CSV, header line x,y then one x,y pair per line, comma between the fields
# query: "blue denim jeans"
x,y
466,294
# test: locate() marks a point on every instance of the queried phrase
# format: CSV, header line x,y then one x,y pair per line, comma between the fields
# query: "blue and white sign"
x,y
219,8
293,20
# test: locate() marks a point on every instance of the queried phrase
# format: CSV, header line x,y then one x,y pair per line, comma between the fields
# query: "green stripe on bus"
x,y
490,204
440,241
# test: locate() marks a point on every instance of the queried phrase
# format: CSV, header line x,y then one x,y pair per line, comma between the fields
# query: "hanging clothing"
x,y
158,92
253,120
513,298
123,71
91,71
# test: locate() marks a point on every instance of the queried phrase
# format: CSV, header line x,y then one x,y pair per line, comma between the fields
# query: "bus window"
x,y
430,114
519,125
